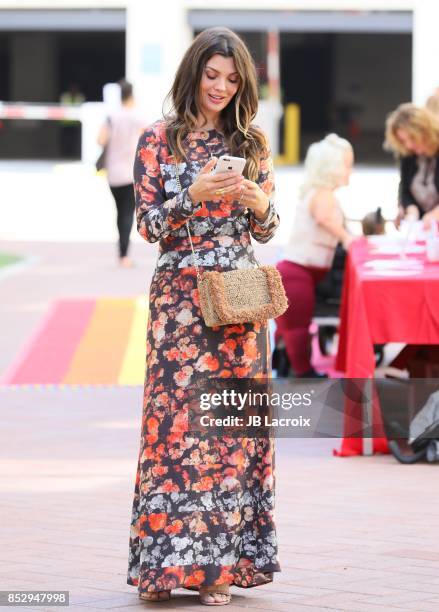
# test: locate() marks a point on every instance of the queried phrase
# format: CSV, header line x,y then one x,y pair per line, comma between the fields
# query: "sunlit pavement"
x,y
355,534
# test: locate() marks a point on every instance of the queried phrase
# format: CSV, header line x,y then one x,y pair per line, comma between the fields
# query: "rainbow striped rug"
x,y
85,342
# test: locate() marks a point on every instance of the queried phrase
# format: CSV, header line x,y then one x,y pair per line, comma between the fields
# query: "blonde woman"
x,y
412,133
318,227
432,103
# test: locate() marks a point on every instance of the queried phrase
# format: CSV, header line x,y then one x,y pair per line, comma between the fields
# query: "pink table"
x,y
377,309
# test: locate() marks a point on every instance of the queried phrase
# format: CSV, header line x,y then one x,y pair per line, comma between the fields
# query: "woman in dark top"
x,y
412,133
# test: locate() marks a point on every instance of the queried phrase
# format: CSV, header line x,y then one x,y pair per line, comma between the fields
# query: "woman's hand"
x,y
411,213
399,216
431,217
251,196
208,186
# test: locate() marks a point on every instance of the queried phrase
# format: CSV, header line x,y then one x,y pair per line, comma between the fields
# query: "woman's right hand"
x,y
411,213
207,185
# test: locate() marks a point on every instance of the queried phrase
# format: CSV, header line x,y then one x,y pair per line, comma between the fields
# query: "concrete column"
x,y
157,37
270,110
33,67
425,49
273,65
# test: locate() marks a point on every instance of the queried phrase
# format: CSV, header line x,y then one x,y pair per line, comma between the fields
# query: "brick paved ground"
x,y
356,534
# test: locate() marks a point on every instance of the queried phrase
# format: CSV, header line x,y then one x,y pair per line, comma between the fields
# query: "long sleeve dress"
x,y
203,510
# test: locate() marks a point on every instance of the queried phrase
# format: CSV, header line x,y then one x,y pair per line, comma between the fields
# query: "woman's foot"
x,y
156,596
126,262
215,595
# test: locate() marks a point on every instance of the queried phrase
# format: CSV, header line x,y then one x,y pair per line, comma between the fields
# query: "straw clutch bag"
x,y
239,296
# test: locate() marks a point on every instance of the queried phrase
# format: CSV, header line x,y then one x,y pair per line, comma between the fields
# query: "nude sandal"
x,y
155,596
207,592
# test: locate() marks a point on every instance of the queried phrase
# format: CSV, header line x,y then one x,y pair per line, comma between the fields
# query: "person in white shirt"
x,y
120,134
318,227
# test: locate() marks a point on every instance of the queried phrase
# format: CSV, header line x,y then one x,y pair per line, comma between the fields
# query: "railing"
x,y
52,112
90,115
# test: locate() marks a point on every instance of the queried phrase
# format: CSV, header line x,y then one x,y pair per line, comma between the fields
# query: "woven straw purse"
x,y
238,296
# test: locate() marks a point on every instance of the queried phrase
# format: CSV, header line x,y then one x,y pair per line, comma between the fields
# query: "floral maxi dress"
x,y
203,510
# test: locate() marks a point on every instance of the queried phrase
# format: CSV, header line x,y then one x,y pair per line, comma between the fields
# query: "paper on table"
x,y
394,264
395,249
413,230
392,273
380,239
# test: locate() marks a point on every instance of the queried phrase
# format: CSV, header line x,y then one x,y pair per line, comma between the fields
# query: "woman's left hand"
x,y
431,217
251,196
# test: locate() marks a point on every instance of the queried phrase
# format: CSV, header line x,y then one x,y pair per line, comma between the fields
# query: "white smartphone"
x,y
227,163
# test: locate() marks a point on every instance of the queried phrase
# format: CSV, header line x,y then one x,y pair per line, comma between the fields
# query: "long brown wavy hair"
x,y
242,138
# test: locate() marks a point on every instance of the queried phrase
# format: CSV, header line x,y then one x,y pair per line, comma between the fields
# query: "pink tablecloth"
x,y
379,309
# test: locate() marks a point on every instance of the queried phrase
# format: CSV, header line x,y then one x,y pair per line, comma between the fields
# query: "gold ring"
x,y
220,191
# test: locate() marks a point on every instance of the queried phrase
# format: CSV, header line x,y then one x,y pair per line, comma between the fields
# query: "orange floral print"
x,y
203,506
157,521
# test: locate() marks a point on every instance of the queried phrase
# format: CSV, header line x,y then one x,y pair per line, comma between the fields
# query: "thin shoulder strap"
x,y
177,177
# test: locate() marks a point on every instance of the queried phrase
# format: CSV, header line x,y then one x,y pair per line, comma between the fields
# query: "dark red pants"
x,y
293,326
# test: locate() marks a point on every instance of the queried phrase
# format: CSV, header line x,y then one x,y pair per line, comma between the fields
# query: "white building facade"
x,y
158,32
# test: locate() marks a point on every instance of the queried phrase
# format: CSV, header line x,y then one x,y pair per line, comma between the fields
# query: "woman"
x,y
203,508
120,135
412,133
318,227
432,103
